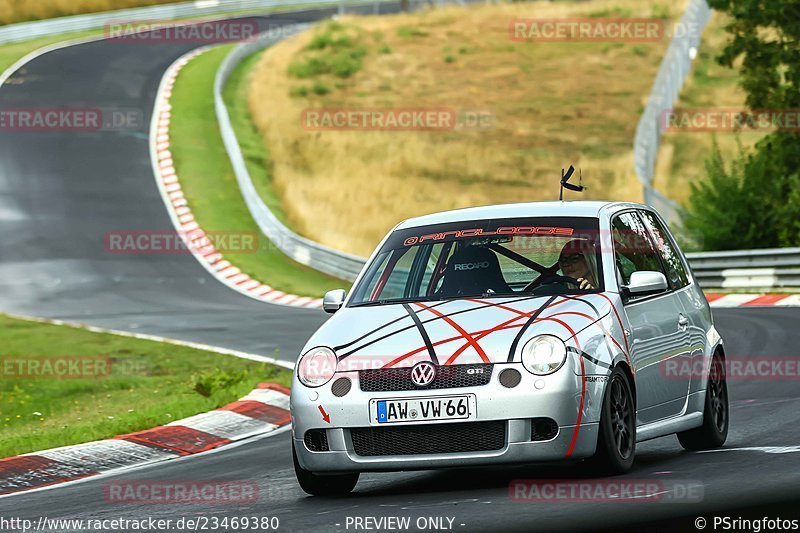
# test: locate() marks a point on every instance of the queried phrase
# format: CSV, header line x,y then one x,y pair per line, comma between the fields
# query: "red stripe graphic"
x,y
508,324
622,327
458,328
580,412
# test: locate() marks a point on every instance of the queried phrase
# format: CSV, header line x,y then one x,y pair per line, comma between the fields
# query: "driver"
x,y
573,263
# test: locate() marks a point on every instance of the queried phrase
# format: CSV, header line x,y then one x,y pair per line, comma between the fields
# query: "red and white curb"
x,y
181,213
753,300
264,410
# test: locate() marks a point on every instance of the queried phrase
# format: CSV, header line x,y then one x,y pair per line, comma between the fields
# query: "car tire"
x,y
714,431
316,485
616,440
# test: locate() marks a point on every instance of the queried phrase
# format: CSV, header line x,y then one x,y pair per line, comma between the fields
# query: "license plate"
x,y
423,409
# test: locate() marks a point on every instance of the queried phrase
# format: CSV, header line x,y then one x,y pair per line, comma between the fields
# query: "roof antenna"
x,y
565,178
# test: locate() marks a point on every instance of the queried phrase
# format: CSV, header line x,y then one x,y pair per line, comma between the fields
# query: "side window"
x,y
676,271
633,248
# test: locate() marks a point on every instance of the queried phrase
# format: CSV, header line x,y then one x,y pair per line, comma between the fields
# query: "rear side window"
x,y
676,271
633,248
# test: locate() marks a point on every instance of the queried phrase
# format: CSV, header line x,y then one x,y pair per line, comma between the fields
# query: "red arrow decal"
x,y
325,416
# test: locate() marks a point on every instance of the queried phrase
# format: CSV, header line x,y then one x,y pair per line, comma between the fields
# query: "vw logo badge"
x,y
423,373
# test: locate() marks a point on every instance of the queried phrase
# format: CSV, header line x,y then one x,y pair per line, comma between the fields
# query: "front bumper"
x,y
559,397
518,449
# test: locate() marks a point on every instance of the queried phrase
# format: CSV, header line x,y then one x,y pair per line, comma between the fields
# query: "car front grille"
x,y
447,377
429,439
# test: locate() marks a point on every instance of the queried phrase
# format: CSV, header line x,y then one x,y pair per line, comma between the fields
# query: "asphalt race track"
x,y
61,192
763,414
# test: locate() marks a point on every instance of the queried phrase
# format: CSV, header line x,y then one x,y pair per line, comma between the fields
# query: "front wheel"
x,y
714,431
316,485
616,442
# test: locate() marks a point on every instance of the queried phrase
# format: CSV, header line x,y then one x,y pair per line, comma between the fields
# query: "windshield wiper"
x,y
394,301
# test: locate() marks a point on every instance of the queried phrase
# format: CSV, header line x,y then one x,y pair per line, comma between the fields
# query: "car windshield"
x,y
484,258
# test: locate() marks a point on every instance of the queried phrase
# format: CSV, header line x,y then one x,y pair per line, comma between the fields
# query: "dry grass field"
x,y
21,10
551,103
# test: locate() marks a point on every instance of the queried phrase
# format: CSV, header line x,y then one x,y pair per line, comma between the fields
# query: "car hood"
x,y
465,331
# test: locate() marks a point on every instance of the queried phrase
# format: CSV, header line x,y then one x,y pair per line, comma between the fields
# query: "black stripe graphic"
x,y
521,332
423,333
589,357
395,321
401,330
581,300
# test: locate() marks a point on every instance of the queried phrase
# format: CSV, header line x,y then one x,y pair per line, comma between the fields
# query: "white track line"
x,y
157,338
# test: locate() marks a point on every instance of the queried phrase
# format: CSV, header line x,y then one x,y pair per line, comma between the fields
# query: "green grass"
x,y
208,180
149,384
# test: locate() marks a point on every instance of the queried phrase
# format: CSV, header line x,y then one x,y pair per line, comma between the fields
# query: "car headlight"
x,y
544,355
316,367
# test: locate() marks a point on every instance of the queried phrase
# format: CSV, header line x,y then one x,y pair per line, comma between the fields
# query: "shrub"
x,y
754,203
213,381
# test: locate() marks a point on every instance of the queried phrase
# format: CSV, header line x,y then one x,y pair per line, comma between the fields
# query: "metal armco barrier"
x,y
302,250
672,74
767,269
744,269
30,30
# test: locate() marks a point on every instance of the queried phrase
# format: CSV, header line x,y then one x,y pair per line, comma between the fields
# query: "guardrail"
x,y
767,269
302,250
672,74
183,10
305,251
745,269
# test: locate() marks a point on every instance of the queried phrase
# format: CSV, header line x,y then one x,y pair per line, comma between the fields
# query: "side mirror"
x,y
646,282
334,300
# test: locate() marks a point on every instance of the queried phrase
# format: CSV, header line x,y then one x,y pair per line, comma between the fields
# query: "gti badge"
x,y
423,373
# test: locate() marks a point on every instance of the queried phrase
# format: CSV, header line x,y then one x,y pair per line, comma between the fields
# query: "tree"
x,y
756,204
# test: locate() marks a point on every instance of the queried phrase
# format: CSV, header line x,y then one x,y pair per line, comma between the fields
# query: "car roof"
x,y
520,210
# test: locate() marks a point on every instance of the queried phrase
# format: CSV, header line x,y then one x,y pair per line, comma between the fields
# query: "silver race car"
x,y
510,334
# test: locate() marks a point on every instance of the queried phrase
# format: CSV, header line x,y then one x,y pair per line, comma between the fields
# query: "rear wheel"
x,y
714,431
316,485
616,442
